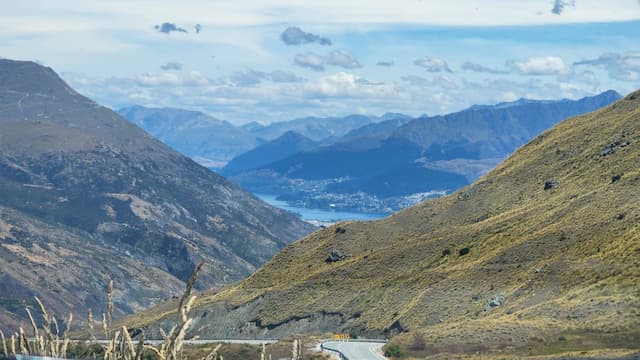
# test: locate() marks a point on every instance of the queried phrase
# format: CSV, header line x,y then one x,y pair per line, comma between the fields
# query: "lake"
x,y
318,216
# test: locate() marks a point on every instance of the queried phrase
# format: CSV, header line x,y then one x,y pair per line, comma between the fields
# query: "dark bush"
x,y
393,350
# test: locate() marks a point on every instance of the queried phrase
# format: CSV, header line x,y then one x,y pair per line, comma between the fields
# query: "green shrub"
x,y
393,350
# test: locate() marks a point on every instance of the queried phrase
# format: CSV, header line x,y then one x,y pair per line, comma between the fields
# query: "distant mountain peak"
x,y
610,94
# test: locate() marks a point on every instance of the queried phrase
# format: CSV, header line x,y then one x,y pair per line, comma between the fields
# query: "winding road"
x,y
356,350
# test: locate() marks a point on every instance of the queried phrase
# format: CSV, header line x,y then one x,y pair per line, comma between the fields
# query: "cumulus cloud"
x,y
171,65
339,58
310,61
248,78
342,58
295,36
190,79
469,66
167,28
620,67
345,85
253,77
431,64
441,81
337,93
560,5
280,76
385,63
588,79
549,65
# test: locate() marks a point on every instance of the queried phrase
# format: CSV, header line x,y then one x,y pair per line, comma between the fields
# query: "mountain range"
x,y
402,157
318,128
541,254
213,142
86,196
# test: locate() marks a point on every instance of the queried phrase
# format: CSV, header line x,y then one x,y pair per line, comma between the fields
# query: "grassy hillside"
x,y
540,255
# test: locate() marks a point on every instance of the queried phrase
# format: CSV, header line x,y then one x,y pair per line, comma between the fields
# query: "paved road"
x,y
357,350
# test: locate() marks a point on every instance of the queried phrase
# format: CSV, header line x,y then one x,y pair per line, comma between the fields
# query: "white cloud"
x,y
127,14
342,58
339,58
432,64
620,67
469,66
560,5
343,84
340,93
310,61
441,81
192,78
549,65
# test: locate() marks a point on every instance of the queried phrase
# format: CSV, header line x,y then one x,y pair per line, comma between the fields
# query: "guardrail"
x,y
340,354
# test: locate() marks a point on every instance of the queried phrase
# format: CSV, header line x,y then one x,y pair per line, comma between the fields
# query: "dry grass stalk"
x,y
13,345
110,301
296,353
90,325
5,351
119,345
43,345
213,355
23,342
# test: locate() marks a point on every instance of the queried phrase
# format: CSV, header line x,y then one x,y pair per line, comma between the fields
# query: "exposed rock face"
x,y
495,301
550,184
86,196
336,256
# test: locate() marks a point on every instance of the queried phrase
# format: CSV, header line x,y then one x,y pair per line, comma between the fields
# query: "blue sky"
x,y
275,60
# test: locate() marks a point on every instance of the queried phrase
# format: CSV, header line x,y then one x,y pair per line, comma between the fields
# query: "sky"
x,y
266,61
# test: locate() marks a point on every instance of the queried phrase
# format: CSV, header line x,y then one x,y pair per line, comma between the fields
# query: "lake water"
x,y
318,216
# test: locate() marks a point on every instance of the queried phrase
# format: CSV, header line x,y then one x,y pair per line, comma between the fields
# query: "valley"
x,y
320,180
533,252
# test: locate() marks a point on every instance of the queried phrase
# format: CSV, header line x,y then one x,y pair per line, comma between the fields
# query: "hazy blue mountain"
x,y
367,136
488,131
371,135
209,141
402,157
314,128
252,126
277,149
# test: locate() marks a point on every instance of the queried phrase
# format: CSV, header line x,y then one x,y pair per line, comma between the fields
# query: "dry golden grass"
x,y
566,259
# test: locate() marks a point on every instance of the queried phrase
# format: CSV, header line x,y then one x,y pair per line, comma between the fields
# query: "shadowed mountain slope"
x,y
86,196
286,145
